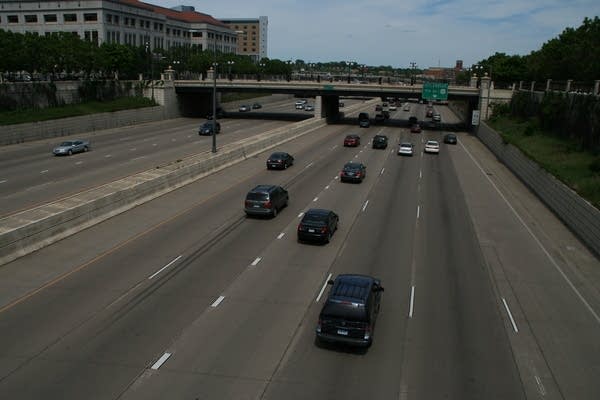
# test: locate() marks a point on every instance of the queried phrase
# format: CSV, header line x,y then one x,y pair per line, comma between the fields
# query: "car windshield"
x,y
346,310
256,196
405,145
352,167
315,219
66,144
277,156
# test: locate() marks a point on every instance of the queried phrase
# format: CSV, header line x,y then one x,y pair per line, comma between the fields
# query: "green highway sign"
x,y
435,91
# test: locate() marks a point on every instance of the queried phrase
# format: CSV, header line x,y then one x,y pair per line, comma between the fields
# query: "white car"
x,y
432,146
300,104
437,117
393,107
405,149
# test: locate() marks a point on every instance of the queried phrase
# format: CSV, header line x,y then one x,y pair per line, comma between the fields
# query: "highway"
x,y
487,295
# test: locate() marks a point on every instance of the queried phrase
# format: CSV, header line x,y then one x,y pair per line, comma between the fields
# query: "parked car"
x,y
256,106
280,160
352,141
353,172
70,147
265,200
244,108
450,138
317,225
350,311
207,128
415,128
380,142
432,146
405,149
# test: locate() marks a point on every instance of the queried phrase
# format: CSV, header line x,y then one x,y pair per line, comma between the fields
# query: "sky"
x,y
429,33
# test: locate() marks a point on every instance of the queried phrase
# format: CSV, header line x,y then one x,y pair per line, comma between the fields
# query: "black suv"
x,y
350,311
353,172
380,142
317,225
266,200
363,120
207,128
279,160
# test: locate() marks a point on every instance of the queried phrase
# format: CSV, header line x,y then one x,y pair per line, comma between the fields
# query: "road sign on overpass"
x,y
435,91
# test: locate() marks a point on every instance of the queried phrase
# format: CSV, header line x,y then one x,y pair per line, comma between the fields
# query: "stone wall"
x,y
575,212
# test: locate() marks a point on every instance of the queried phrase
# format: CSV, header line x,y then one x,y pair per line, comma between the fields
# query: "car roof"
x,y
279,153
432,142
263,188
353,164
317,211
351,287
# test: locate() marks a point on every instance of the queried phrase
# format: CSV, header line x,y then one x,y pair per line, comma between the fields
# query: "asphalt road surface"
x,y
487,295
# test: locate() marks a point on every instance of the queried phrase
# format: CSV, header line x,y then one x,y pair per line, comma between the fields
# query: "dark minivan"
x,y
265,200
363,120
350,311
380,142
317,225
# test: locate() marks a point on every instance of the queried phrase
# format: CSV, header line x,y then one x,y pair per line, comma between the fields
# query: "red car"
x,y
352,141
416,128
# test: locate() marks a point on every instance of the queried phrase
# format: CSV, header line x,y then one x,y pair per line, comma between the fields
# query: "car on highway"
x,y
317,225
413,120
406,149
450,138
351,141
363,120
415,128
429,113
378,107
280,160
220,114
341,104
436,117
406,107
256,106
265,200
349,313
393,107
353,172
379,118
70,147
207,128
245,108
380,142
309,107
432,146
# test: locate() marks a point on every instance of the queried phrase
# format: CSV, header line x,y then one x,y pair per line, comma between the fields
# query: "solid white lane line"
x,y
300,215
554,263
315,199
382,169
323,288
256,261
365,205
418,211
161,361
217,301
412,302
163,268
510,316
282,234
3,181
44,171
308,165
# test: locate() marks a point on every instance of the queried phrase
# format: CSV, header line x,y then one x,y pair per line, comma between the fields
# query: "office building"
x,y
252,35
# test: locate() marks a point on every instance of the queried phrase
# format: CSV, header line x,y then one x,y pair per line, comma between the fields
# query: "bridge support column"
x,y
484,96
330,108
318,106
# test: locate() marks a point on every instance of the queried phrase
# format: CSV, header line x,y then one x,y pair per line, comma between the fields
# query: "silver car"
x,y
70,147
405,149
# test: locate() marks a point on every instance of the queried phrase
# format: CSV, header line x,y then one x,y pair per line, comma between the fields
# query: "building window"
x,y
50,18
70,17
132,21
116,19
93,17
109,18
160,27
126,21
147,24
13,19
31,19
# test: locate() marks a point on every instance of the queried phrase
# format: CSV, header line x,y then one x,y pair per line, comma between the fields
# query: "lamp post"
x,y
349,64
175,66
229,65
214,130
261,66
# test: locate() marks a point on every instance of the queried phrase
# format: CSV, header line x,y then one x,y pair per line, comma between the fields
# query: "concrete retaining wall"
x,y
575,212
30,230
11,134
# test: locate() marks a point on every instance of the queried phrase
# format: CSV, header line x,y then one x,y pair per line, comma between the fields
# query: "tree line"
x,y
574,54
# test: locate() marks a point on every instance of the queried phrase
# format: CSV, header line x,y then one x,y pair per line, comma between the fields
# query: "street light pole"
x,y
214,130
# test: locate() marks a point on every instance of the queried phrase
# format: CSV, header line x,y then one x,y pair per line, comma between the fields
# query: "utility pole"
x,y
413,66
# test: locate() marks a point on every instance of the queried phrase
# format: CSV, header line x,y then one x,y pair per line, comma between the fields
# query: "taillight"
x,y
247,203
300,227
324,229
367,335
319,326
268,204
